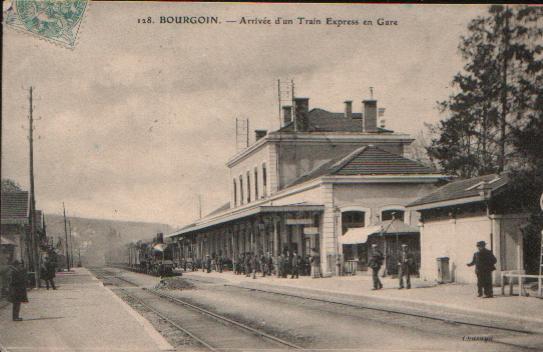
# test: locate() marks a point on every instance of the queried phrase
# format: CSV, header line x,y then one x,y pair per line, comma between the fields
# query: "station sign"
x,y
311,230
299,221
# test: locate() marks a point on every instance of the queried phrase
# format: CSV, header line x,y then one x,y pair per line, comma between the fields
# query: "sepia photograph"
x,y
236,176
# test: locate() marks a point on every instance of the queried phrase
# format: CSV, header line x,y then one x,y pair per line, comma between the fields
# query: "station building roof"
x,y
461,192
367,161
237,214
321,120
14,207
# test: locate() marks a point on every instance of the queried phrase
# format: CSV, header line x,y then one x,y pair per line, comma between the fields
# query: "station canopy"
x,y
357,235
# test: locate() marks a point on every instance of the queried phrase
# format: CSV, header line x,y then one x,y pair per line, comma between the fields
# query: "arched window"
x,y
398,214
351,219
248,187
240,189
235,192
256,183
264,180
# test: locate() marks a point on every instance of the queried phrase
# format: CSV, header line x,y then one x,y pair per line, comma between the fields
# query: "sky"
x,y
139,119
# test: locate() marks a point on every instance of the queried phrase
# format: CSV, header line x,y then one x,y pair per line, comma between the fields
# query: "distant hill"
x,y
96,236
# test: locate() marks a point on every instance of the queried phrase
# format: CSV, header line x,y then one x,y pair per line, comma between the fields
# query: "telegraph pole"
x,y
34,253
71,244
66,236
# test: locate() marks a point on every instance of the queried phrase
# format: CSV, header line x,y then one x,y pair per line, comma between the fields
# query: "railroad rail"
x,y
372,308
198,319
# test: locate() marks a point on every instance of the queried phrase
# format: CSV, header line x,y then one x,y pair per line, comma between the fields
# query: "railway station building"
x,y
325,183
457,215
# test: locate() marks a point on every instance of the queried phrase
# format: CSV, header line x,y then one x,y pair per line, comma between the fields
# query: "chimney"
x,y
348,109
287,115
259,134
301,114
370,115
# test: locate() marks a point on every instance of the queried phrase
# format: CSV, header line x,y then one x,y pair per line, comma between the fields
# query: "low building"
x,y
302,187
458,215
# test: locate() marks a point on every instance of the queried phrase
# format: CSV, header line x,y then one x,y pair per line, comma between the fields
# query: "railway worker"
x,y
247,264
220,262
47,271
17,288
485,263
375,263
294,265
208,263
288,258
254,262
315,265
406,263
269,262
279,262
263,264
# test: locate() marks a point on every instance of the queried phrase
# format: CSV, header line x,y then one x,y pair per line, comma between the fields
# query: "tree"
x,y
10,185
527,177
494,93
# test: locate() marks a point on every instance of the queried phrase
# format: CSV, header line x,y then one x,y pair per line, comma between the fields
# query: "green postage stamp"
x,y
58,21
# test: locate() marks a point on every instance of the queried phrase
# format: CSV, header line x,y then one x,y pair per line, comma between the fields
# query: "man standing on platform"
x,y
17,288
375,263
405,265
315,265
295,266
485,263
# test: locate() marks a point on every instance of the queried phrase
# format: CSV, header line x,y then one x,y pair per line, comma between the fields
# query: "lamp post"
x,y
485,191
383,233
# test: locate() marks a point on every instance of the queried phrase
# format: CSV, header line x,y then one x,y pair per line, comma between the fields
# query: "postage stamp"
x,y
58,21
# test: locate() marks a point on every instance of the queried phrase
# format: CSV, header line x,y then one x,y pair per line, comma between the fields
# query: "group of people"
x,y
249,264
18,282
287,263
406,266
483,260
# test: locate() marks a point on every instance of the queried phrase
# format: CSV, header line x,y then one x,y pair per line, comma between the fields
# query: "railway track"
x,y
212,331
361,306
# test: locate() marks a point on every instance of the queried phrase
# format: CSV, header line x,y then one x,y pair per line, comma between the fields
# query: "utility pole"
x,y
66,237
34,253
71,244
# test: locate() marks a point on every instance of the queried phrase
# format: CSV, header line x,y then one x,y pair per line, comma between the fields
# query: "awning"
x,y
358,235
4,241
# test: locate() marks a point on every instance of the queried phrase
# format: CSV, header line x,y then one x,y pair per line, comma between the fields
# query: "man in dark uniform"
x,y
375,263
295,265
484,261
220,262
247,264
208,263
254,262
17,288
269,263
315,265
263,264
48,272
405,264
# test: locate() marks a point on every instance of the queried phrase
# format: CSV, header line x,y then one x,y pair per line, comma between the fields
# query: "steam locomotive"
x,y
152,257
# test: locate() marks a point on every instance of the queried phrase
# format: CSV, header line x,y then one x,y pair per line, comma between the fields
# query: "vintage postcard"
x,y
192,176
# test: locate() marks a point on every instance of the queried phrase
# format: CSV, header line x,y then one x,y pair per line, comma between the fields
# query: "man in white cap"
x,y
405,263
375,263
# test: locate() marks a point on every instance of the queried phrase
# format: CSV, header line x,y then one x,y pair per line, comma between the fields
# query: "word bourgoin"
x,y
189,19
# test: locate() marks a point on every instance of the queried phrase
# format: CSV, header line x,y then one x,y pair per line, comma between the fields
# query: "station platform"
x,y
81,315
447,299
